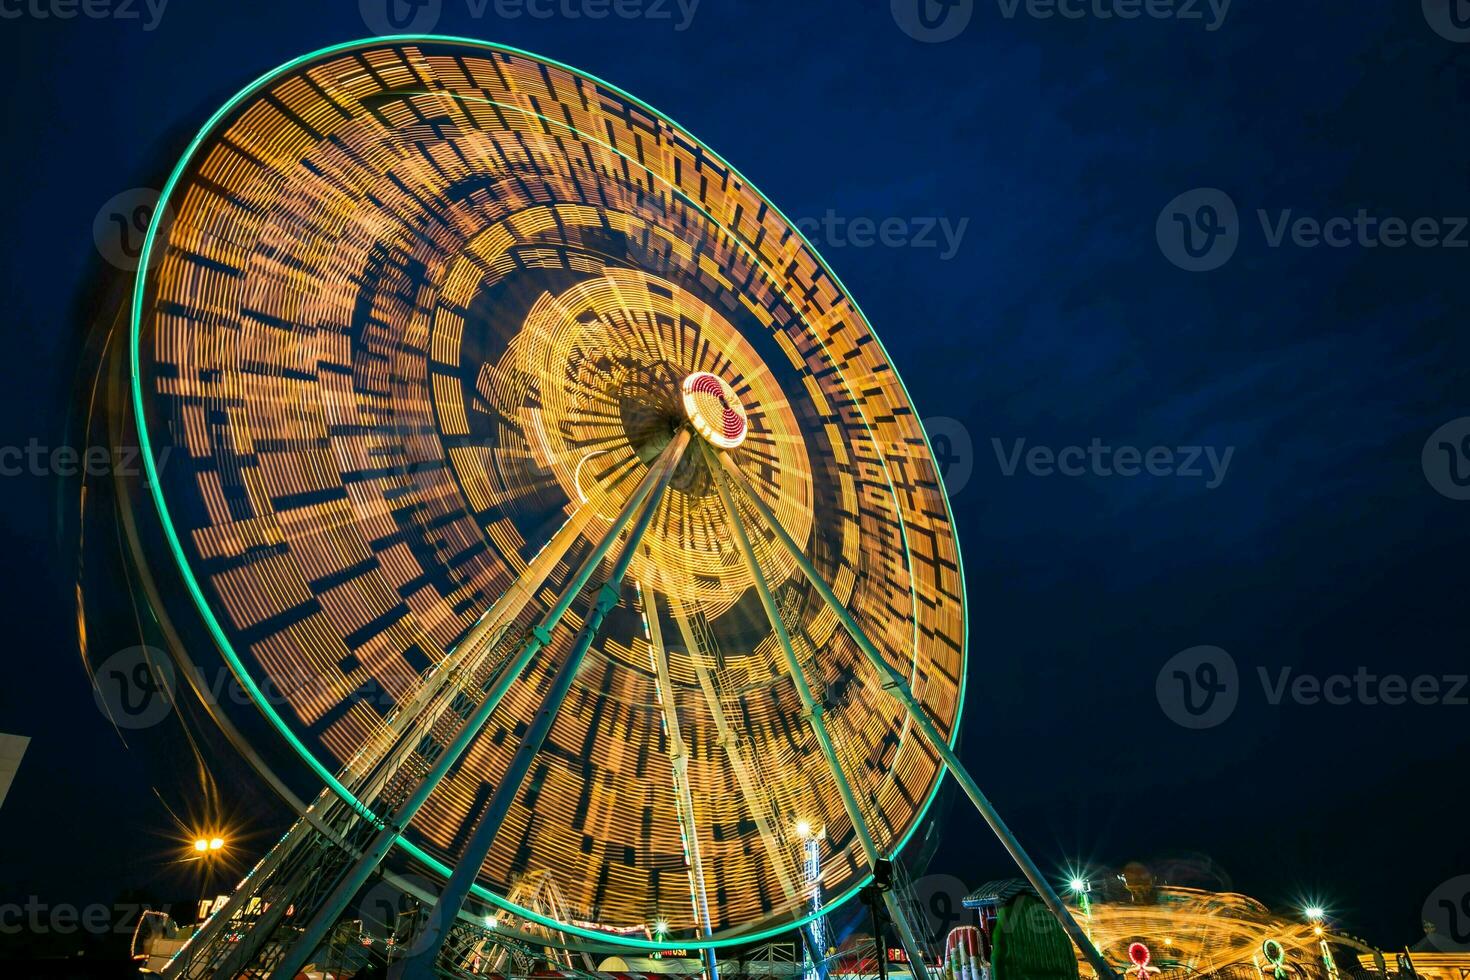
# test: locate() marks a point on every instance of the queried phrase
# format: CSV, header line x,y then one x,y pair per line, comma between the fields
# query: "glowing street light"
x,y
205,846
1317,916
660,933
1081,888
803,829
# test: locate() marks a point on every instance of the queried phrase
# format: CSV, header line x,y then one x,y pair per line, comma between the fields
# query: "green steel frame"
x,y
331,909
899,689
812,711
420,964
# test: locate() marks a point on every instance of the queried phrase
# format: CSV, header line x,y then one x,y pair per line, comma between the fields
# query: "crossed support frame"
x,y
812,711
327,914
644,502
898,689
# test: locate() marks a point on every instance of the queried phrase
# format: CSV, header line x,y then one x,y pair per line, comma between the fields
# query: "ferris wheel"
x,y
554,502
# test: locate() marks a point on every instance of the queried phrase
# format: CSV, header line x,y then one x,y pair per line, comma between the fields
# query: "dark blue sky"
x,y
1058,319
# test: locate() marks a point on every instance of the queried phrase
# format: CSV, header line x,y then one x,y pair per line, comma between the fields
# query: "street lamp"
x,y
1080,887
1317,916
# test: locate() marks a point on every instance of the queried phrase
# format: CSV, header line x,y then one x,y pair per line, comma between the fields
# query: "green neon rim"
x,y
227,649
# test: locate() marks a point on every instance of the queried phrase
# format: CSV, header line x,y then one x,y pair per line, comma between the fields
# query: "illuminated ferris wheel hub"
x,y
714,410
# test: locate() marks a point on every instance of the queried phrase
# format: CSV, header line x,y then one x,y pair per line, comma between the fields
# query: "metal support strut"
x,y
813,714
331,910
679,762
420,964
898,688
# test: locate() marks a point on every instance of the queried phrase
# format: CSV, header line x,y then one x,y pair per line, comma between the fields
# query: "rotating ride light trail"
x,y
1210,932
412,316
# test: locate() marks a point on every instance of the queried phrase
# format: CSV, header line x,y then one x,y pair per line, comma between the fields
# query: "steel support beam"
x,y
322,921
420,964
679,761
813,714
730,742
899,689
371,767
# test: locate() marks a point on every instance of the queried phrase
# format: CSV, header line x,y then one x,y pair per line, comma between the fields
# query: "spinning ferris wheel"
x,y
554,502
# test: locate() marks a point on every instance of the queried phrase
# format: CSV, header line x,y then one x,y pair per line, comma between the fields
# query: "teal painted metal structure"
x,y
812,711
899,690
420,964
331,910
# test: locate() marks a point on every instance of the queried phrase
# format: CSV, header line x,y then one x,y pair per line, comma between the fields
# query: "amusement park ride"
x,y
491,391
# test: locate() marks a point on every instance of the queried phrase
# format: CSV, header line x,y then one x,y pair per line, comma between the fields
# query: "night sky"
x,y
1056,314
